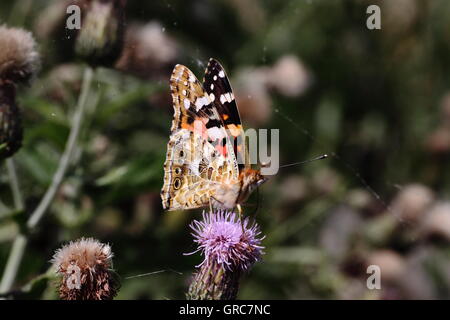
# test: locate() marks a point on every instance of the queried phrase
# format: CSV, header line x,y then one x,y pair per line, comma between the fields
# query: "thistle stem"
x,y
20,241
13,264
19,244
67,155
14,183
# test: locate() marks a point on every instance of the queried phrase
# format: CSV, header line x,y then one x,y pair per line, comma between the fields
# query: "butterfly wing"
x,y
198,156
217,85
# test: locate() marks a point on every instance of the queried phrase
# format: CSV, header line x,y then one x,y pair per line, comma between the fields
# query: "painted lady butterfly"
x,y
207,140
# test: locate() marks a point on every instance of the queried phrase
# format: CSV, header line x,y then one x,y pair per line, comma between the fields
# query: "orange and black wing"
x,y
218,87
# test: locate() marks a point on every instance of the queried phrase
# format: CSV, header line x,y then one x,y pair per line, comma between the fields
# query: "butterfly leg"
x,y
239,208
210,202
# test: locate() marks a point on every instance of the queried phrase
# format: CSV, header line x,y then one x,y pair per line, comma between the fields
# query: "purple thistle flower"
x,y
229,247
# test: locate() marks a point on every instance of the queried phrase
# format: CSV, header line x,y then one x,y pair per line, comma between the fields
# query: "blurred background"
x,y
376,101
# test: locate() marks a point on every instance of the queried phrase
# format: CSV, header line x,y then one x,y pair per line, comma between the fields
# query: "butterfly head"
x,y
251,179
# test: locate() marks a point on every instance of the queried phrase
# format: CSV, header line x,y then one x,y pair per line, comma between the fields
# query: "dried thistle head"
x,y
86,269
19,59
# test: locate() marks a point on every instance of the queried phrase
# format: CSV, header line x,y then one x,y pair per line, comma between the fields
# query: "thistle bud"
x,y
100,39
149,51
253,95
85,267
91,30
289,76
230,248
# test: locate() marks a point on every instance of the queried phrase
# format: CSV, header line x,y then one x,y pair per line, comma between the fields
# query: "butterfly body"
x,y
228,194
202,167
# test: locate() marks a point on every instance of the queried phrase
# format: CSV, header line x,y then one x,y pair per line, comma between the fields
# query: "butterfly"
x,y
207,161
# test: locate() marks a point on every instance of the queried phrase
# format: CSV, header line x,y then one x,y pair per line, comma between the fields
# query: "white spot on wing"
x,y
222,74
200,102
187,103
194,166
215,133
212,97
185,134
229,96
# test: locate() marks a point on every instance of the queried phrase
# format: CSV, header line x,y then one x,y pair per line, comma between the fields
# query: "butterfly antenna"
x,y
324,156
154,272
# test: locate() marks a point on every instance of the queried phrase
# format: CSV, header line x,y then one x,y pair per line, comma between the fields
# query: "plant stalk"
x,y
19,244
14,183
